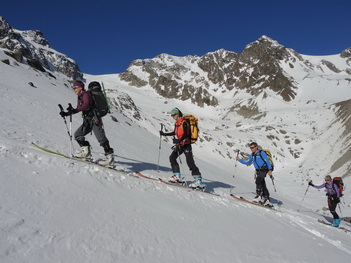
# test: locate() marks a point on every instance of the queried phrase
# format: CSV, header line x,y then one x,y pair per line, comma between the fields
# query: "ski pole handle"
x,y
70,109
61,108
237,155
159,146
62,111
159,149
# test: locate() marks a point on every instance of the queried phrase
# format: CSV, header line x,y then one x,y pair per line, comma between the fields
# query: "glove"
x,y
176,141
272,177
310,183
162,133
64,114
70,109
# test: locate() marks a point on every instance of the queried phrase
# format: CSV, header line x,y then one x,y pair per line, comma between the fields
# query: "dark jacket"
x,y
85,103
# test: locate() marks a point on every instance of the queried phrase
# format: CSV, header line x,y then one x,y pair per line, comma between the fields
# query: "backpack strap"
x,y
259,154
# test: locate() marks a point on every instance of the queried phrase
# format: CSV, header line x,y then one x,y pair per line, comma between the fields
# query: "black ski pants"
x,y
261,188
187,150
89,126
332,204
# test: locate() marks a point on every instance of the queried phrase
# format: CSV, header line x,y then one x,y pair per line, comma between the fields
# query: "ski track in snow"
x,y
310,226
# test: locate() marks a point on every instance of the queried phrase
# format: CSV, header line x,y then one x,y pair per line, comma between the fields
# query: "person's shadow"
x,y
139,166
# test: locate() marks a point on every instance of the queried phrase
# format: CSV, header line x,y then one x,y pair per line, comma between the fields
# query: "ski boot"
x,y
336,222
197,184
84,153
266,202
257,199
176,178
108,161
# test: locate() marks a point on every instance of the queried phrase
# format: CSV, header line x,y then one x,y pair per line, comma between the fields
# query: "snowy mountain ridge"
x,y
263,83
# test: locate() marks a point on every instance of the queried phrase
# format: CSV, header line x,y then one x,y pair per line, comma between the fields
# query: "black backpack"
x,y
100,102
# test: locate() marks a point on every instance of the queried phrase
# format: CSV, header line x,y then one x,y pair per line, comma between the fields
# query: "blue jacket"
x,y
259,159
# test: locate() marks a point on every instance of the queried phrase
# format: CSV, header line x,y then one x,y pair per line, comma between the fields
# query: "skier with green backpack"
x,y
92,106
263,165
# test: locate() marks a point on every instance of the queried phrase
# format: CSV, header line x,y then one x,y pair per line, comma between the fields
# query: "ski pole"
x,y
70,129
159,149
298,210
180,160
340,210
237,155
64,119
275,190
236,162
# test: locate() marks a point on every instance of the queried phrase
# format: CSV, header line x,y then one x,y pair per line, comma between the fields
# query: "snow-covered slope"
x,y
52,210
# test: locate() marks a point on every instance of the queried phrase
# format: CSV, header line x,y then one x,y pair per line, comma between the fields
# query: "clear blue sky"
x,y
104,36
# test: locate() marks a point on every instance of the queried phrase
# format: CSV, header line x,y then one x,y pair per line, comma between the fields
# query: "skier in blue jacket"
x,y
333,194
263,167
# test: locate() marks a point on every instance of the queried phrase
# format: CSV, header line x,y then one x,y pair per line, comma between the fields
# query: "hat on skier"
x,y
78,84
174,111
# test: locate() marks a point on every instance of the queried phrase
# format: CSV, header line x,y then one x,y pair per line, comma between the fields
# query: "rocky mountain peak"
x,y
30,47
256,69
5,28
263,58
36,36
347,55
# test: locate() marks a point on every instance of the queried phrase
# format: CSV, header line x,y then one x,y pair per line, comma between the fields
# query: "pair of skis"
x,y
240,198
338,227
130,173
138,174
180,185
82,160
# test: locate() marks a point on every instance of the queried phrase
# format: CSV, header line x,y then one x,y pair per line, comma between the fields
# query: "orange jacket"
x,y
182,131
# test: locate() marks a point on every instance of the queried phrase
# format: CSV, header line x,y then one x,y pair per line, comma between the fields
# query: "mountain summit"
x,y
30,47
263,65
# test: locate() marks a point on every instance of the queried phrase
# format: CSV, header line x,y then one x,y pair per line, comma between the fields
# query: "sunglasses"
x,y
252,147
76,87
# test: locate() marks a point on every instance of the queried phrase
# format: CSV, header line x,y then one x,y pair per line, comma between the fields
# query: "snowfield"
x,y
53,209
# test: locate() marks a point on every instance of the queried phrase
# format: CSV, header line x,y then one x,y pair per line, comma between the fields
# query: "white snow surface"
x,y
53,210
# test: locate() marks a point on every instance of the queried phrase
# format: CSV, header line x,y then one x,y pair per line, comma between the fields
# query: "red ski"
x,y
240,198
